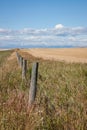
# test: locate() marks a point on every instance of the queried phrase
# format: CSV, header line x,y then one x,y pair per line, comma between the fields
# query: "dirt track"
x,y
63,54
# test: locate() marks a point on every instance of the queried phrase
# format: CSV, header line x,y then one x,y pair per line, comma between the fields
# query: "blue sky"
x,y
43,23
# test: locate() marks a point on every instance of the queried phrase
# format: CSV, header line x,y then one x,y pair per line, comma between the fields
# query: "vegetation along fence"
x,y
33,84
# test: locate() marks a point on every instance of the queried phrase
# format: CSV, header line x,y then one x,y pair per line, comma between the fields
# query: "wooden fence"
x,y
33,84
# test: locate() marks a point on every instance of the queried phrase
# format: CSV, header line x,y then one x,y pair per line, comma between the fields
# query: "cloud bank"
x,y
59,36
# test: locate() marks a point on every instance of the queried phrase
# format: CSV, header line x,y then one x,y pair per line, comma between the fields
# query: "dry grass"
x,y
61,101
65,54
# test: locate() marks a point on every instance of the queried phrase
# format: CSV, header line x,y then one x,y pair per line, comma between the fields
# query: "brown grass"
x,y
63,54
61,100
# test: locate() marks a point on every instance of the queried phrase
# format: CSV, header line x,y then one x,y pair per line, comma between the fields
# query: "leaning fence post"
x,y
24,69
33,84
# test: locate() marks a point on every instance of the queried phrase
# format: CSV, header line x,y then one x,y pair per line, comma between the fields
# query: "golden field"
x,y
60,54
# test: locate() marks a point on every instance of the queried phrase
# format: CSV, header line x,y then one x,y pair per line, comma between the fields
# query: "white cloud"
x,y
57,36
59,26
72,38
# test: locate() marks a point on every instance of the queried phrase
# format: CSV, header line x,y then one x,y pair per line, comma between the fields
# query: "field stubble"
x,y
70,55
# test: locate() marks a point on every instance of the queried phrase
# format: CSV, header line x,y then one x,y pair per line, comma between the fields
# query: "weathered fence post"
x,y
33,84
17,55
24,69
21,61
18,58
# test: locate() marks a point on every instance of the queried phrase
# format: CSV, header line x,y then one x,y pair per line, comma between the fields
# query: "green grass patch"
x,y
4,55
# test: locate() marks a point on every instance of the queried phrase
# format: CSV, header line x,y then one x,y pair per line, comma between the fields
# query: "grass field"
x,y
61,101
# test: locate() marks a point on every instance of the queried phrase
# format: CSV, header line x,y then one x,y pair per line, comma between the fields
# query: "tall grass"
x,y
4,55
61,101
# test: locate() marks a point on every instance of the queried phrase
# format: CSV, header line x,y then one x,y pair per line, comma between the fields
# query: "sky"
x,y
43,23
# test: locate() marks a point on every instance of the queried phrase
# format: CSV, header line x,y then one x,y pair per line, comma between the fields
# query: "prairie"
x,y
61,99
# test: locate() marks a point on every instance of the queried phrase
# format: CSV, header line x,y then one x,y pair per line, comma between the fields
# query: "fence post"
x,y
21,61
18,58
24,69
33,84
17,55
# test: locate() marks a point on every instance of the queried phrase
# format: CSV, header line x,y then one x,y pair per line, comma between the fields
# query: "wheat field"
x,y
60,54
